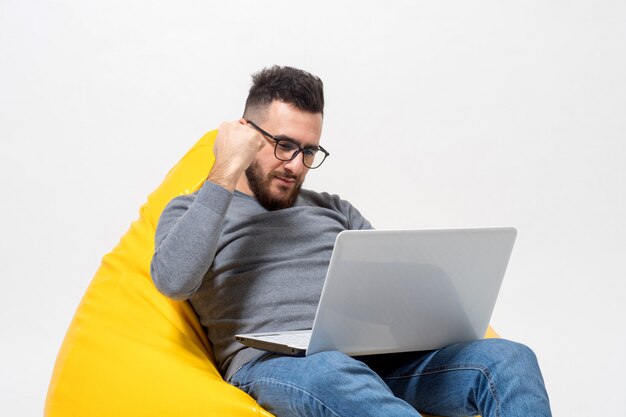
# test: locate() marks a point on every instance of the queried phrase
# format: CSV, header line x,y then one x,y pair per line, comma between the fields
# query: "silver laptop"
x,y
400,291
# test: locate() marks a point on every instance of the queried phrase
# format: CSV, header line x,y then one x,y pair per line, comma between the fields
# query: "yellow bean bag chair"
x,y
131,351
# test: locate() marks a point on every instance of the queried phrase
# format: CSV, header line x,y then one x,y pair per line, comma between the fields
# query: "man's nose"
x,y
296,165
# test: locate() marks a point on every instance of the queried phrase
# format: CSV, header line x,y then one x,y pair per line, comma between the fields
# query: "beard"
x,y
260,187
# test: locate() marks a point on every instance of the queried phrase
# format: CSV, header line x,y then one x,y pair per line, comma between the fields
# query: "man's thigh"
x,y
459,380
324,384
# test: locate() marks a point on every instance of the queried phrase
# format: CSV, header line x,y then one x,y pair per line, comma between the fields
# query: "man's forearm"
x,y
235,147
224,176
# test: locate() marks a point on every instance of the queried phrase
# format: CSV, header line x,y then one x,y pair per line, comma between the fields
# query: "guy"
x,y
250,251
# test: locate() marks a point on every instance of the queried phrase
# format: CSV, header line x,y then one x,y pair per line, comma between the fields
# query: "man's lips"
x,y
286,180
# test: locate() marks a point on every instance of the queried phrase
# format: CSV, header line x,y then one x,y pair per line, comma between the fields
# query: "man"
x,y
250,251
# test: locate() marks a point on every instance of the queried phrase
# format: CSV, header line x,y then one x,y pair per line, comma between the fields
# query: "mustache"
x,y
286,175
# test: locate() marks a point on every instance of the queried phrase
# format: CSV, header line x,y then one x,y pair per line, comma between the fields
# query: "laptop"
x,y
399,291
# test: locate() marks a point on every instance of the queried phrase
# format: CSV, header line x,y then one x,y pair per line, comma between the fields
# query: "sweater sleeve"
x,y
186,240
356,219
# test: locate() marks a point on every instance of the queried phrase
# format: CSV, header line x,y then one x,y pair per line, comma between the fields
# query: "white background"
x,y
439,114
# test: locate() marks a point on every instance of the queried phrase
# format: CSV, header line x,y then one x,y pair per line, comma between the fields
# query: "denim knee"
x,y
514,372
504,357
506,351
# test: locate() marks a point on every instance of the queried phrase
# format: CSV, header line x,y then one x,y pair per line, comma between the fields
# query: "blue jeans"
x,y
492,377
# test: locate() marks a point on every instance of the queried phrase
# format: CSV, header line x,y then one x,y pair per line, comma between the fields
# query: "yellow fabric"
x,y
129,350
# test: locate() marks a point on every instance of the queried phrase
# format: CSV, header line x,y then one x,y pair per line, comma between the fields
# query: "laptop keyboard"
x,y
299,340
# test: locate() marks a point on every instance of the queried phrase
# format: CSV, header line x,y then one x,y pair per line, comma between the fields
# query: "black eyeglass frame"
x,y
300,149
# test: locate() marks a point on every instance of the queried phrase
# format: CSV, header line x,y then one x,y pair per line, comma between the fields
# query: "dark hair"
x,y
290,85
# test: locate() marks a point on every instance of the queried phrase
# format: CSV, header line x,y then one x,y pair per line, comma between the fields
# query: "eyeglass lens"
x,y
286,151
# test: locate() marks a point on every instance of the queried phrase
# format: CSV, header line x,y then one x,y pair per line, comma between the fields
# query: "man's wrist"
x,y
224,177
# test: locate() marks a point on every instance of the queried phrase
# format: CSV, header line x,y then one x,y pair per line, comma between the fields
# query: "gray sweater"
x,y
245,269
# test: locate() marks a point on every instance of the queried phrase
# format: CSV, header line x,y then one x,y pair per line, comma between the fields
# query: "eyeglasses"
x,y
288,149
